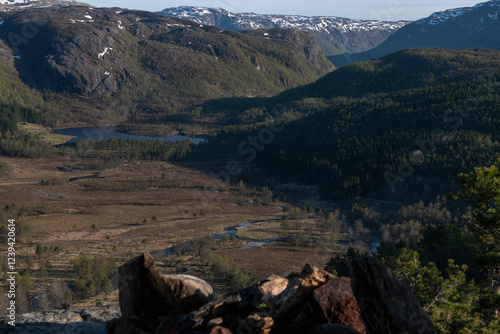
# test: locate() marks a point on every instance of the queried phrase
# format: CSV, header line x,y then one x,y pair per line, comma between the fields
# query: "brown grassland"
x,y
151,206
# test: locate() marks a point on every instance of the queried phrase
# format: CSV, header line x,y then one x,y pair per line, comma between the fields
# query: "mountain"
x,y
149,61
335,35
401,127
460,28
23,4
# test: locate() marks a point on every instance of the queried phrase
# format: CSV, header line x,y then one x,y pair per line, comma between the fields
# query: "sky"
x,y
390,10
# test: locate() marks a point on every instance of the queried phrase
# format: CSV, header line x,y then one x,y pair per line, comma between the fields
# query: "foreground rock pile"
x,y
372,300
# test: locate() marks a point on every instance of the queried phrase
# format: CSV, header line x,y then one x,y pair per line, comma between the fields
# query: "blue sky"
x,y
358,9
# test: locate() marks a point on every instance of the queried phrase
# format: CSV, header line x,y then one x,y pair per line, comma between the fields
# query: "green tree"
x,y
482,189
339,265
454,304
92,276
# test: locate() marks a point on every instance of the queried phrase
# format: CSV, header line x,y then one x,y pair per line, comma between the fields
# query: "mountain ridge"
x,y
460,28
335,35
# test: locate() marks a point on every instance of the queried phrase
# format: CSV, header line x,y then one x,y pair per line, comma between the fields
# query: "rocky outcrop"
x,y
373,300
387,305
146,294
336,301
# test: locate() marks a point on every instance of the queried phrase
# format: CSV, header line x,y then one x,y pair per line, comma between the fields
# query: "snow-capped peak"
x,y
451,14
28,3
243,21
333,34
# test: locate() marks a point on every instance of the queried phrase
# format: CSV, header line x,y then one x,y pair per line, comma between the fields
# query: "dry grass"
x,y
186,202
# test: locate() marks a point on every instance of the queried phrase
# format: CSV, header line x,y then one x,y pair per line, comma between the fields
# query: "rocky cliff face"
x,y
297,40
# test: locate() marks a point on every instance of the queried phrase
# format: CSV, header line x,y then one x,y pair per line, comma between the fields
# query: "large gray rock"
x,y
147,294
89,321
387,305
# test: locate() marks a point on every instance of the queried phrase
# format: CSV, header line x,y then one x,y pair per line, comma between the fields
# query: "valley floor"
x,y
153,206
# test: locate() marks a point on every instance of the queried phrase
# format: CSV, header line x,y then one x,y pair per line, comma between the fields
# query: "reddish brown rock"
x,y
336,301
387,305
219,330
145,293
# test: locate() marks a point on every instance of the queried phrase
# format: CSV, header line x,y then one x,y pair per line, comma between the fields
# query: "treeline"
x,y
133,149
10,115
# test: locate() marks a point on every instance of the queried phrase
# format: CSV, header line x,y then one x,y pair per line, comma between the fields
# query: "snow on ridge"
x,y
255,21
450,14
12,2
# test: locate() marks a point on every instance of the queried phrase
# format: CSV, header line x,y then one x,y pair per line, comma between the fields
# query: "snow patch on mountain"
x,y
22,4
452,14
262,21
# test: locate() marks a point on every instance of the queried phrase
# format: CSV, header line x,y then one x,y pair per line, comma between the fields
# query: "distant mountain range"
x,y
460,28
11,4
335,35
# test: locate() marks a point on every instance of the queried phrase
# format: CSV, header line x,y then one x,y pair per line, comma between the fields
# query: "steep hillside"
x,y
335,35
148,60
460,28
400,126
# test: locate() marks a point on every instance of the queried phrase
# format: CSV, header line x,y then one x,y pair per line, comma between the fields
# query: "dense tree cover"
x,y
129,149
407,140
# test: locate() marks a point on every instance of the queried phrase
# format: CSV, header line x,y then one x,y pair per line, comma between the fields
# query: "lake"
x,y
102,133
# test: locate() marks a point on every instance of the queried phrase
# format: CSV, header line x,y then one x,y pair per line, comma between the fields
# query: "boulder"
x,y
336,301
272,286
387,305
145,293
